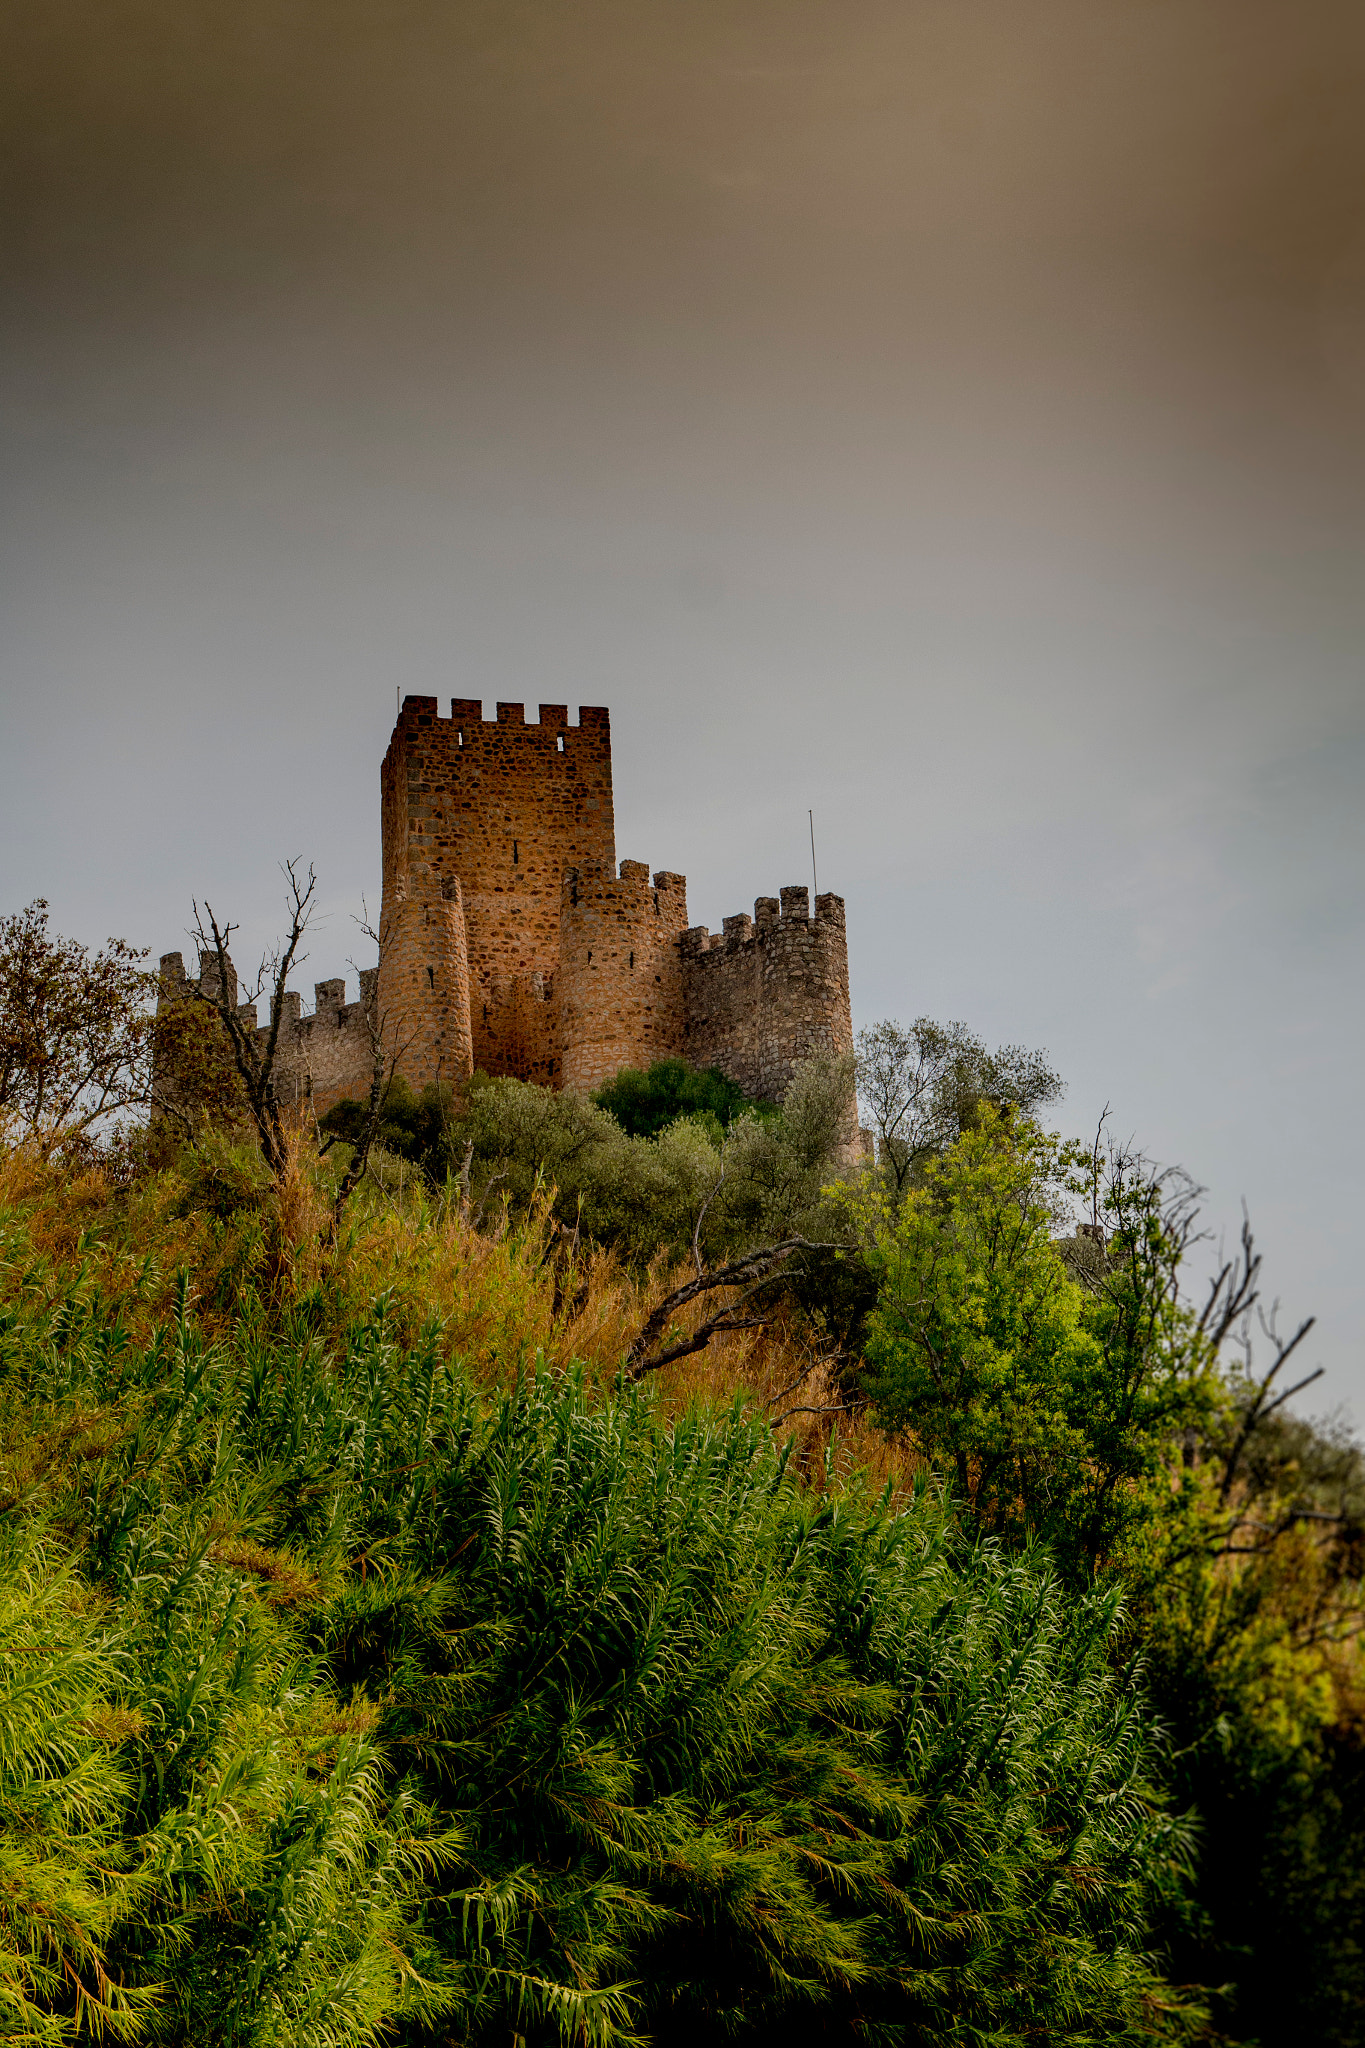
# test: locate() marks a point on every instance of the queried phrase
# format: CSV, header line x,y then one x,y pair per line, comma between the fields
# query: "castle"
x,y
512,943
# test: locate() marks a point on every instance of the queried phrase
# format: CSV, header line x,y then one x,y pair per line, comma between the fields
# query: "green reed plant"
x,y
420,1688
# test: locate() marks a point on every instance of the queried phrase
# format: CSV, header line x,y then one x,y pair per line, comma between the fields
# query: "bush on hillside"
x,y
644,1104
370,1660
640,1195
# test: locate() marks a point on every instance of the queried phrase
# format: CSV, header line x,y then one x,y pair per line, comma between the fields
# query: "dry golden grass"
x,y
282,1580
499,1298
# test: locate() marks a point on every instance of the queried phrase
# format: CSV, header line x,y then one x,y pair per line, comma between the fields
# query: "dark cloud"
x,y
947,416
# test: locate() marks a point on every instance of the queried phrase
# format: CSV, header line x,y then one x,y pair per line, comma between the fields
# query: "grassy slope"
x,y
371,1661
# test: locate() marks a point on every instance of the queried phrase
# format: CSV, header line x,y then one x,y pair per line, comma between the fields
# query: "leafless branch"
x,y
476,1221
701,1218
255,1063
837,1408
383,1066
1260,1406
1095,1151
465,1165
1233,1290
792,1385
743,1278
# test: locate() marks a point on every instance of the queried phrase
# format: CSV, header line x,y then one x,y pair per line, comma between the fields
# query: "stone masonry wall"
x,y
424,987
511,943
503,809
318,1058
619,986
767,991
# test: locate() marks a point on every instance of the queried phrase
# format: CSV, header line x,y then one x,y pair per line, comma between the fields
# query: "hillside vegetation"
x,y
404,1635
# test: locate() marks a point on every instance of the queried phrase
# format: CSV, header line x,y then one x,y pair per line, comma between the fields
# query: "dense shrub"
x,y
646,1103
640,1194
374,1661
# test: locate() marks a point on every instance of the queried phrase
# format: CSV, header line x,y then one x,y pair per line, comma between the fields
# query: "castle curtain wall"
x,y
766,992
511,943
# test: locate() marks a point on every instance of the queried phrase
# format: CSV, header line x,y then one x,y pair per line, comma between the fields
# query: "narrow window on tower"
x,y
516,856
431,977
459,738
632,959
559,743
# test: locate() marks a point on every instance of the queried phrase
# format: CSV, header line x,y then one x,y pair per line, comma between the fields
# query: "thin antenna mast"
x,y
815,888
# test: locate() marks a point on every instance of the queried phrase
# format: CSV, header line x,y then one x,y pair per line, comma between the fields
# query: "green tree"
x,y
409,1126
1054,1403
922,1086
761,1177
1076,1391
646,1103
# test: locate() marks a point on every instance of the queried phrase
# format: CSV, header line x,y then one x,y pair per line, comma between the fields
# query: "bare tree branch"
x,y
1260,1406
255,1062
837,1408
742,1278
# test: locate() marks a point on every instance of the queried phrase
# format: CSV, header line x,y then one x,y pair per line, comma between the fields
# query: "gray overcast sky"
x,y
946,415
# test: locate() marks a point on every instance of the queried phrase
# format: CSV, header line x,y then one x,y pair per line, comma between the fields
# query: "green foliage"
x,y
197,1092
1071,1391
75,1031
639,1194
63,1876
1251,1611
644,1104
411,1126
924,1084
225,1177
377,1702
364,1676
1053,1405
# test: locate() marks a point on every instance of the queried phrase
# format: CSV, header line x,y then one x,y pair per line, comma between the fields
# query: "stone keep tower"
x,y
481,821
512,942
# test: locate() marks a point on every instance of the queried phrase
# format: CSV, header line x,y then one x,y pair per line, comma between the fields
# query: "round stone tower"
x,y
619,981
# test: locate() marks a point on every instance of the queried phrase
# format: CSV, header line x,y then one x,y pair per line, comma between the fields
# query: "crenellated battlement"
x,y
321,1056
793,905
514,942
499,810
466,721
765,992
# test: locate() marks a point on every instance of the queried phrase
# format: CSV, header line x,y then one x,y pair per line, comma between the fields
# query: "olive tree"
x,y
923,1084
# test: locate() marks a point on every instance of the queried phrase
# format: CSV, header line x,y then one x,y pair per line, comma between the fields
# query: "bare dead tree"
x,y
744,1280
1261,1406
472,1218
1232,1315
466,1166
255,1062
1231,1311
